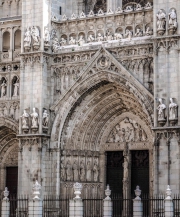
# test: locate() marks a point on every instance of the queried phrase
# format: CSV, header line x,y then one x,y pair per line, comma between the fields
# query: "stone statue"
x,y
63,41
72,41
118,36
128,34
173,19
172,110
100,37
68,171
82,171
89,172
46,37
149,31
81,40
161,110
109,36
3,88
125,165
161,20
35,34
138,33
25,118
63,171
34,116
27,38
45,119
55,45
75,171
91,38
16,89
96,171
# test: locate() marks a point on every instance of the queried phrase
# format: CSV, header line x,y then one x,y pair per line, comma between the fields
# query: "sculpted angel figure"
x,y
35,34
161,20
27,38
3,88
161,108
172,110
173,19
45,118
16,89
34,116
25,118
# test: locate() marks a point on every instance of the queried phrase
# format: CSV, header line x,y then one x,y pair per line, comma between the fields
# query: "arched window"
x,y
6,41
17,40
100,4
134,2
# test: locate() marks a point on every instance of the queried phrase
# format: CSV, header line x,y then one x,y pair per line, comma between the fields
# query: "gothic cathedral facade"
x,y
90,93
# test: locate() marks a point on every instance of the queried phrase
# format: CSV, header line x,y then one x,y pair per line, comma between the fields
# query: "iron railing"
x,y
92,207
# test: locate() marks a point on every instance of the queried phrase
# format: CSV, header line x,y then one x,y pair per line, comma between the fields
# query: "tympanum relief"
x,y
127,130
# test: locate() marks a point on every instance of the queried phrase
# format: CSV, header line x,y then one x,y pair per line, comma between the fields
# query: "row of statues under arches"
x,y
80,171
14,87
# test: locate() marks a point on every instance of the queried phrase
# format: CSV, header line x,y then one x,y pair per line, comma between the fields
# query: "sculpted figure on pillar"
x,y
63,171
82,171
34,116
172,110
25,120
35,34
161,22
125,165
69,171
172,21
96,171
16,89
161,110
46,38
3,88
27,38
55,45
75,171
45,119
89,172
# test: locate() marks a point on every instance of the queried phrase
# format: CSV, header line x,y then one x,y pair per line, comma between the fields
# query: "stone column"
x,y
107,212
137,204
35,205
168,203
76,205
5,209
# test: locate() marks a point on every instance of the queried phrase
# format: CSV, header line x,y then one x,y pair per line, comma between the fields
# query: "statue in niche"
x,y
25,118
161,110
34,116
16,89
45,119
172,110
27,38
75,171
89,172
35,34
82,171
118,36
81,40
91,38
63,171
96,171
161,20
128,34
138,33
72,41
173,20
55,45
63,41
108,36
149,31
100,37
68,171
3,88
126,165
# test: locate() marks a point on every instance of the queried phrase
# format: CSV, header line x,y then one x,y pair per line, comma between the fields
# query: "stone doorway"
x,y
12,179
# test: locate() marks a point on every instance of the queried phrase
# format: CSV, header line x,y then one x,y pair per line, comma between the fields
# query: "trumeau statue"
x,y
172,110
25,118
161,20
34,116
125,165
128,34
3,89
161,110
16,89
